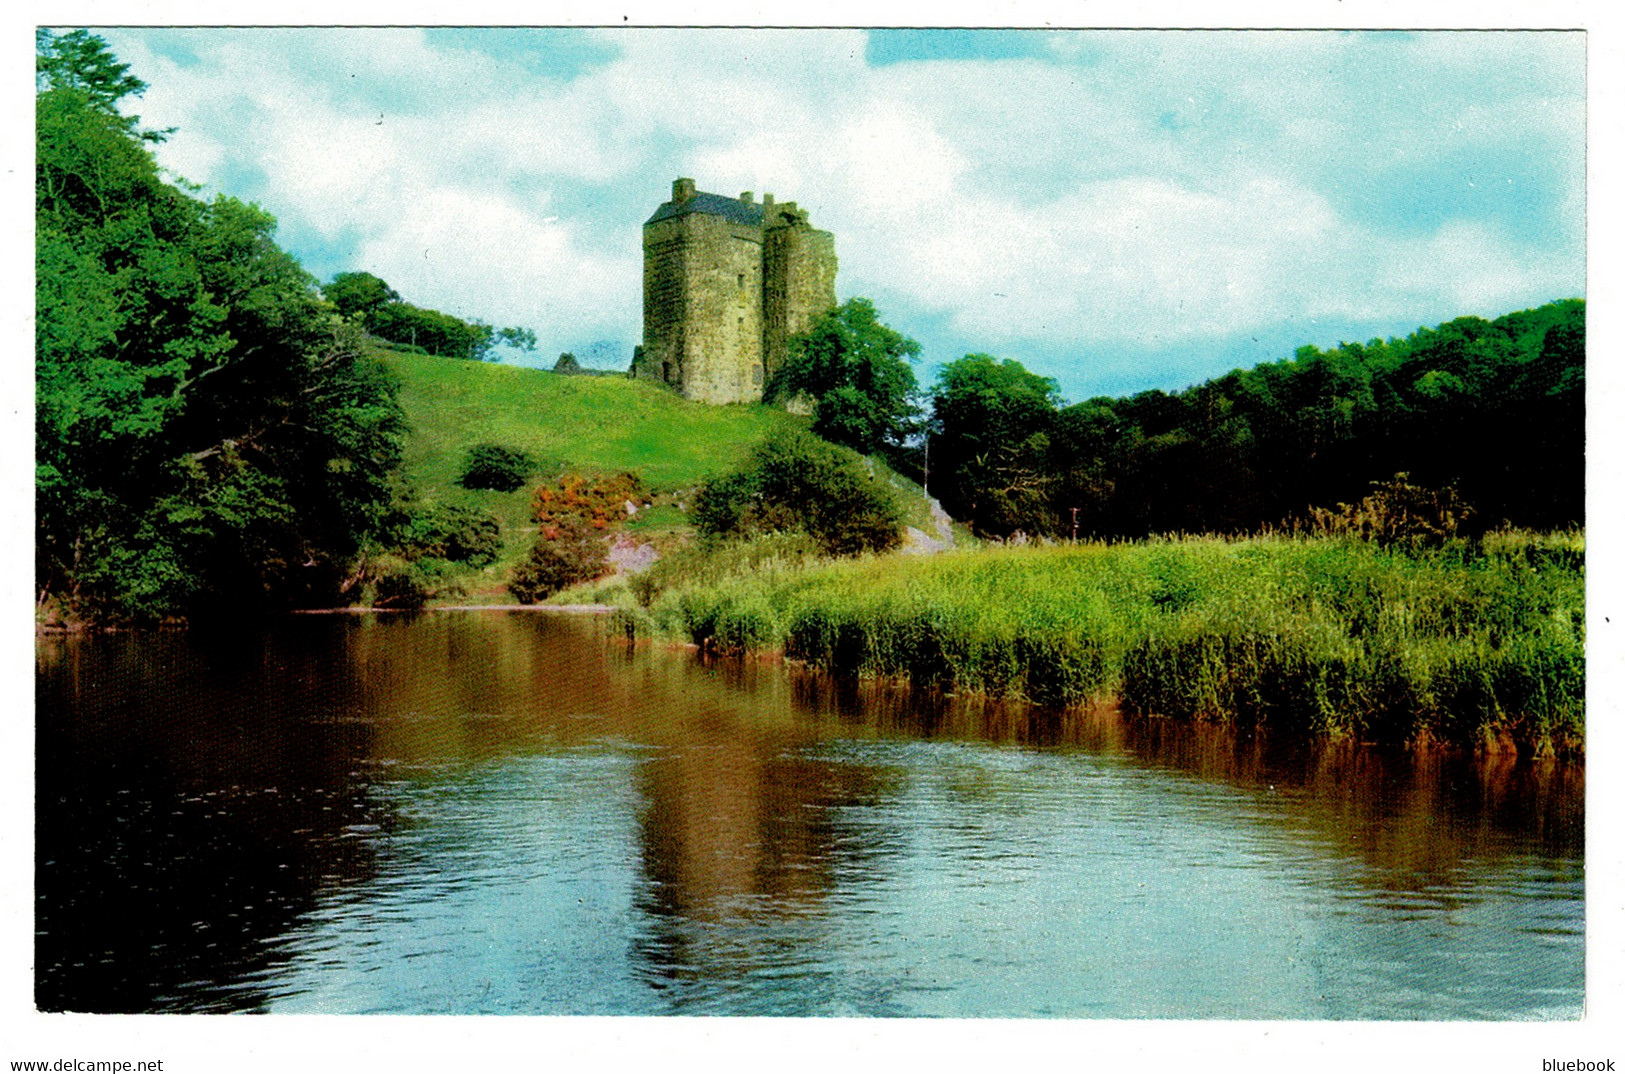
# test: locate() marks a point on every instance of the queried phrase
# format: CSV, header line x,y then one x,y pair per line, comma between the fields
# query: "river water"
x,y
514,813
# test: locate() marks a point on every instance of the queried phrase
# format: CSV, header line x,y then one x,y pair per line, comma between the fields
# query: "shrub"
x,y
395,583
455,533
495,467
598,502
795,482
1398,512
573,516
566,554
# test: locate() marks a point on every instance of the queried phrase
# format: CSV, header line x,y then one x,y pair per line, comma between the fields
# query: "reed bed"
x,y
1472,643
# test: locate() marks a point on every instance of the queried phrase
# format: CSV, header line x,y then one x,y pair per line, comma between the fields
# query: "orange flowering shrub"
x,y
572,517
596,502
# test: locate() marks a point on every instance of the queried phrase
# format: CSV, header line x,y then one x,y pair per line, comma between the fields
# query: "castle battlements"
x,y
726,283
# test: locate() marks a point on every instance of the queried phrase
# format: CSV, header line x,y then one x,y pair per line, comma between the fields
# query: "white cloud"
x,y
1162,189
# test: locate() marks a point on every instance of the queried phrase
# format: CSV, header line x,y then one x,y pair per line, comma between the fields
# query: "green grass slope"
x,y
585,423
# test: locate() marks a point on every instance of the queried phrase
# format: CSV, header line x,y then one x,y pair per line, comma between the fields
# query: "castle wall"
x,y
665,306
799,273
722,293
722,358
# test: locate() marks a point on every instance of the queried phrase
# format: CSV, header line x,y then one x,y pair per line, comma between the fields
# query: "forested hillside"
x,y
1493,409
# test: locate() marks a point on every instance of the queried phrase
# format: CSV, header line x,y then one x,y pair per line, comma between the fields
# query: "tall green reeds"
x,y
1466,643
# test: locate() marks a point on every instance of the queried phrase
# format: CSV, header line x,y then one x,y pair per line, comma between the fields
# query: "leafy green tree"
x,y
523,339
1493,410
793,482
382,313
450,532
992,423
857,369
430,331
206,435
81,63
359,293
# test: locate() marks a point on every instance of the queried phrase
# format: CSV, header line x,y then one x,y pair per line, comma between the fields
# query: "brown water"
x,y
492,812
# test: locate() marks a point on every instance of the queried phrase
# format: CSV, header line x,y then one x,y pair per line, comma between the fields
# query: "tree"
x,y
793,482
359,294
496,467
574,554
523,339
857,369
573,517
81,63
207,435
382,313
1493,410
990,443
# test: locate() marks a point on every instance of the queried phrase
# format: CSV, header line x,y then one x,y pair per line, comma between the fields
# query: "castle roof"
x,y
731,209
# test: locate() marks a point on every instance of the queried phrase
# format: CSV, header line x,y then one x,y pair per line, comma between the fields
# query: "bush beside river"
x,y
1473,643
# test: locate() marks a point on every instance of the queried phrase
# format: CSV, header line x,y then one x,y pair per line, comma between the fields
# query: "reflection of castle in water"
x,y
738,830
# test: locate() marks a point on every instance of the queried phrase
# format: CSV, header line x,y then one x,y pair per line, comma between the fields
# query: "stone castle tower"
x,y
726,283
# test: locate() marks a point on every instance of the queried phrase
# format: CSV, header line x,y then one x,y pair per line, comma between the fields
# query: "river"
x,y
498,812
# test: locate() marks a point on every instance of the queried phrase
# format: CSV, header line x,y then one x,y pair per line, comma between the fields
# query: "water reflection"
x,y
498,812
183,822
733,831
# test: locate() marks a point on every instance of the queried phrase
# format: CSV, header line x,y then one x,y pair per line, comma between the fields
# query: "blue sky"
x,y
1115,209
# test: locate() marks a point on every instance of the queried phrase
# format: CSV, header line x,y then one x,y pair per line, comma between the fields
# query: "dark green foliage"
x,y
857,370
81,63
453,533
575,553
359,294
1398,512
413,558
207,437
433,331
795,482
496,467
1493,410
992,425
523,339
381,311
400,587
567,364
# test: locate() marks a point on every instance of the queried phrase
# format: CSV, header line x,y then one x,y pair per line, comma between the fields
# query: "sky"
x,y
1118,210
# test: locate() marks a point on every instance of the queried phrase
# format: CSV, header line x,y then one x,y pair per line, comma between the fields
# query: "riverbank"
x,y
557,609
1469,644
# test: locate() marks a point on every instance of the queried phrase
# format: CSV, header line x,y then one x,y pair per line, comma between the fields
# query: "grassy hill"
x,y
583,424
